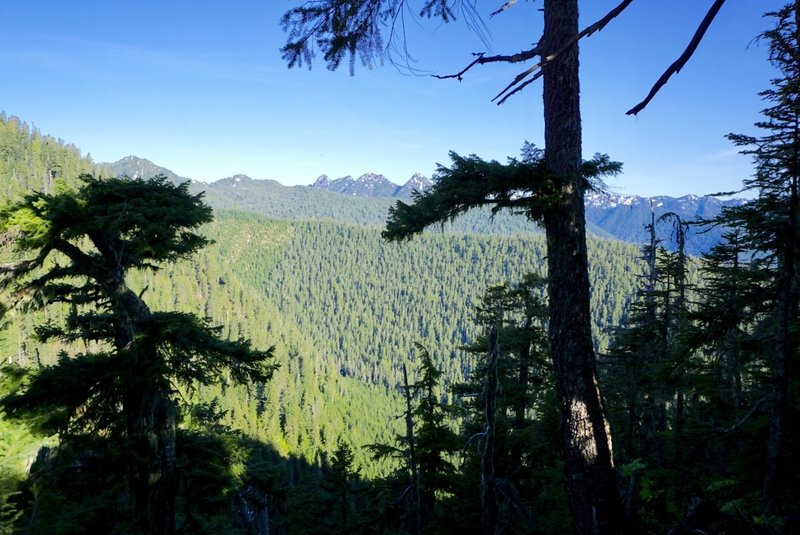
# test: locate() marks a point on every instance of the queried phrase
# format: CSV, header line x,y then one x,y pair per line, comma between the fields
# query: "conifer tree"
x,y
747,313
509,425
518,312
355,30
338,476
646,366
770,224
76,249
427,448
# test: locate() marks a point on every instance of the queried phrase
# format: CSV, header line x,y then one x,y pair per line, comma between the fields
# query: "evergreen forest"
x,y
175,361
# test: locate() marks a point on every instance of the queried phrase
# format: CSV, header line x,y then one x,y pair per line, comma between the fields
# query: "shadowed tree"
x,y
77,246
427,447
769,226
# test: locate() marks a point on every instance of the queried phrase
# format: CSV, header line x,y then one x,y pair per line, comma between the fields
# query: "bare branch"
x,y
744,418
482,434
482,59
682,60
596,27
520,77
505,6
519,88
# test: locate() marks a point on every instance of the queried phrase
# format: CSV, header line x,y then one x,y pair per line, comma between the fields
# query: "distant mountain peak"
x,y
624,216
322,181
418,182
608,214
372,185
132,158
141,168
239,179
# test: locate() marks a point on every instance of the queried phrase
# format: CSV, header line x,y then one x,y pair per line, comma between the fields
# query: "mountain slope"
x,y
624,217
135,167
30,160
366,201
343,307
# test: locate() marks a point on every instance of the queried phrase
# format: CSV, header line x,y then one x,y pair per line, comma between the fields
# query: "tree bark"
x,y
785,347
523,373
586,440
412,459
488,494
150,418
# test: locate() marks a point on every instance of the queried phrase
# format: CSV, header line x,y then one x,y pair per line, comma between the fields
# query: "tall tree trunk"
x,y
488,494
150,417
586,440
521,404
412,459
151,432
784,344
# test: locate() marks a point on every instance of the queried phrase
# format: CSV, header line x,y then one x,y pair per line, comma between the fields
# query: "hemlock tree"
x,y
769,226
77,246
507,401
427,447
342,28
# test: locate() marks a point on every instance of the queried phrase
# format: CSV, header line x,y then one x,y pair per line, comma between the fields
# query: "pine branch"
x,y
682,60
470,183
520,186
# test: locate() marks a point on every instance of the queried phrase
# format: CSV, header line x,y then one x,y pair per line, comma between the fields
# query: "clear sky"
x,y
200,88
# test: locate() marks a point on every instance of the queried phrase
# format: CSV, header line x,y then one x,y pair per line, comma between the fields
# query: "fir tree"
x,y
770,226
77,248
427,447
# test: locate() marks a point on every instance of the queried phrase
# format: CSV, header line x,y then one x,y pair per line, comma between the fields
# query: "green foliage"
x,y
141,222
704,376
335,300
115,398
130,224
526,453
32,161
426,449
338,481
340,29
520,186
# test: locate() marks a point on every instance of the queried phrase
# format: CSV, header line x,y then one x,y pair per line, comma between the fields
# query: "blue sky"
x,y
200,88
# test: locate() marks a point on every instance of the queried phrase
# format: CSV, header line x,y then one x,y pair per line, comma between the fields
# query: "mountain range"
x,y
373,185
365,201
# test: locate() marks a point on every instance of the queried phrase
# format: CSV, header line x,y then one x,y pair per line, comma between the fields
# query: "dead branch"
x,y
481,434
482,58
744,418
519,88
682,60
596,27
505,6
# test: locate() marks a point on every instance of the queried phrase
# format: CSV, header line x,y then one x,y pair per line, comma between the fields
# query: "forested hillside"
x,y
346,309
31,160
608,215
343,307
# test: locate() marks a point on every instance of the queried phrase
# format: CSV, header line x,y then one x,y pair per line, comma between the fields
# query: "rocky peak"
x,y
322,181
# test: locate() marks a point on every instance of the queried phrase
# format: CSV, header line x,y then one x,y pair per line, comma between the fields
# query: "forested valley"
x,y
169,370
